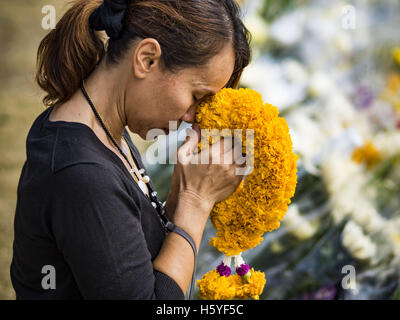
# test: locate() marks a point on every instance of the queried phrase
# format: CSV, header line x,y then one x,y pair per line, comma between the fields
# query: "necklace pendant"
x,y
142,186
146,179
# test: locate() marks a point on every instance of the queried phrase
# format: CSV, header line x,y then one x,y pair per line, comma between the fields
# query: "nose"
x,y
190,115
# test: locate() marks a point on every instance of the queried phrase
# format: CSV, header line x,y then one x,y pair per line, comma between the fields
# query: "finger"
x,y
233,153
239,159
244,170
185,152
219,151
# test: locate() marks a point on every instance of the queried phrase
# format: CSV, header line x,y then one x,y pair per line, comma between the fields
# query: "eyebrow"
x,y
202,86
208,91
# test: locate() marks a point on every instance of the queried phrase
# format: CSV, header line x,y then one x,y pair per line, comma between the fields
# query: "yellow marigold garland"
x,y
213,286
261,201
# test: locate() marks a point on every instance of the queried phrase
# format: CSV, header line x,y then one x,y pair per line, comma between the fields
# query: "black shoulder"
x,y
74,146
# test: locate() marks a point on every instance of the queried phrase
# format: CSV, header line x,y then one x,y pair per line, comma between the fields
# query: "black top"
x,y
81,212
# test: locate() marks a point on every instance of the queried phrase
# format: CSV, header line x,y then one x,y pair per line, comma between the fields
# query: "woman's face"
x,y
162,96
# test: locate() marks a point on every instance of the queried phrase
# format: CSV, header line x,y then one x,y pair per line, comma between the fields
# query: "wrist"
x,y
191,215
191,200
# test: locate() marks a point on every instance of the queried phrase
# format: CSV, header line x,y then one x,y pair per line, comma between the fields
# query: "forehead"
x,y
216,73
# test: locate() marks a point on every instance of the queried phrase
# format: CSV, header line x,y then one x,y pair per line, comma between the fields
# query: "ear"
x,y
146,57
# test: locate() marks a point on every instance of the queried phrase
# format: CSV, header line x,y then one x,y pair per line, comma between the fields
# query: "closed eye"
x,y
198,100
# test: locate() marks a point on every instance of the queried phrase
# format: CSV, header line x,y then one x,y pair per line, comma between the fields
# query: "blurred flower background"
x,y
333,70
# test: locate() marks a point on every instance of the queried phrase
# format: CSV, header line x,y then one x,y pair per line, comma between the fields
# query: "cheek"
x,y
181,106
177,97
175,104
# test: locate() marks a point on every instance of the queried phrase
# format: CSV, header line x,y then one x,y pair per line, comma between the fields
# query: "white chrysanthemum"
x,y
357,243
393,235
349,198
299,226
387,143
257,27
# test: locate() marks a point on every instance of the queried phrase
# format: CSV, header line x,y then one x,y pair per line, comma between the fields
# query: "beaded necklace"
x,y
156,203
167,225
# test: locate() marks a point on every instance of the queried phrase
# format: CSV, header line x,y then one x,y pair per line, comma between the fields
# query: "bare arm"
x,y
194,190
176,258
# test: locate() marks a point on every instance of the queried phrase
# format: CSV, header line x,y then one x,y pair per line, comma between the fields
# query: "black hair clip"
x,y
109,16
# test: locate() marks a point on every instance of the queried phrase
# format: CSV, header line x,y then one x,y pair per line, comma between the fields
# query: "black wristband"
x,y
173,228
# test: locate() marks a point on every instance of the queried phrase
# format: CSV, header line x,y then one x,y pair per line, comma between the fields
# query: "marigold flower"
x,y
261,200
213,286
253,288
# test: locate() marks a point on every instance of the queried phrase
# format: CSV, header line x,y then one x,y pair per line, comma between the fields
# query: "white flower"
x,y
295,72
257,27
357,243
238,260
268,78
299,226
288,29
321,84
345,180
227,260
387,143
393,234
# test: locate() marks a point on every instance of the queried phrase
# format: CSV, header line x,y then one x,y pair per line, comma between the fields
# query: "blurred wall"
x,y
20,102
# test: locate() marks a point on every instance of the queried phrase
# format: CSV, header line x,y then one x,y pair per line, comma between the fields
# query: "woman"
x,y
88,224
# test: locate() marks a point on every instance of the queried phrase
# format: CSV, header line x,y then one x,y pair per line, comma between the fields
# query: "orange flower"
x,y
260,203
261,200
367,153
213,286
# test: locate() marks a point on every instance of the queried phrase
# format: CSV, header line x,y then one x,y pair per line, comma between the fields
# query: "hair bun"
x,y
109,16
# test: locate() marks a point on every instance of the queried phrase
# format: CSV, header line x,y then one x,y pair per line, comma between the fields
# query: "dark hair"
x,y
190,32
